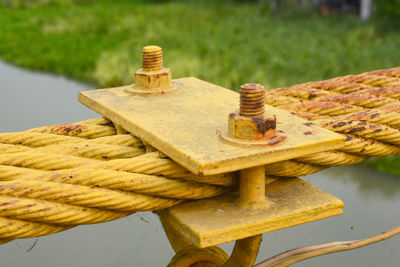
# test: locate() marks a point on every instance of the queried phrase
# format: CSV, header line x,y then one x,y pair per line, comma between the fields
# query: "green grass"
x,y
225,42
389,164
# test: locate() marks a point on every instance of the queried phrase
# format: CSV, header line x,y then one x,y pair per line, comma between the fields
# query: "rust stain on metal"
x,y
301,92
339,124
251,122
374,115
323,108
356,129
338,85
349,138
252,100
311,96
393,72
264,125
67,129
277,139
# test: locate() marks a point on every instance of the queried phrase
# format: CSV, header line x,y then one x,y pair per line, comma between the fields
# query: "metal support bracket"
x,y
190,126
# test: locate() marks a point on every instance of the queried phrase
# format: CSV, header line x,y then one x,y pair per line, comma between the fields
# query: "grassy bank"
x,y
224,42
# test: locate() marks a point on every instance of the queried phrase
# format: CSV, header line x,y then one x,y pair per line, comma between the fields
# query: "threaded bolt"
x,y
152,58
252,100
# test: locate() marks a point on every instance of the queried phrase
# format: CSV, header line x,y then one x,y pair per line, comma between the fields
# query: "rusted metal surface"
x,y
391,119
278,100
302,92
251,128
369,79
389,91
251,122
323,108
338,86
66,129
393,108
364,129
393,72
79,130
360,99
252,100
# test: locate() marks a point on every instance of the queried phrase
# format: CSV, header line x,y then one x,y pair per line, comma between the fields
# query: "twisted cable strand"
x,y
323,108
93,151
131,182
43,161
367,147
84,196
389,91
5,149
35,140
119,139
357,144
84,150
11,172
392,72
12,229
310,111
363,129
149,163
5,240
338,86
388,118
278,100
390,108
53,213
302,92
369,79
309,116
331,158
360,99
89,131
291,168
98,121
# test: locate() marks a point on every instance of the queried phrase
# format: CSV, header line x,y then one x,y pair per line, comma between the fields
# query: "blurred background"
x,y
227,42
66,46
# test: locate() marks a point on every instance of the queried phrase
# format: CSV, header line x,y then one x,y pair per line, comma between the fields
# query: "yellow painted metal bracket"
x,y
186,125
198,125
218,220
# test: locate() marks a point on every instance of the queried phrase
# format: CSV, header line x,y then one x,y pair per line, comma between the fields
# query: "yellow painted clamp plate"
x,y
217,220
184,125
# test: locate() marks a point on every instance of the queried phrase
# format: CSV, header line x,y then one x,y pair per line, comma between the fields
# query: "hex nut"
x,y
153,80
244,127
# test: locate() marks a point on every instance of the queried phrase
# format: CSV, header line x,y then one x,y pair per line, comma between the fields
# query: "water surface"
x,y
31,99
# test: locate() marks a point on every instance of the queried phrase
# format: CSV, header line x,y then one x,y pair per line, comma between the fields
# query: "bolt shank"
x,y
252,188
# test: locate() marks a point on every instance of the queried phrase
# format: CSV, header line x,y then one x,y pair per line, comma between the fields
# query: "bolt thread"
x,y
252,100
152,58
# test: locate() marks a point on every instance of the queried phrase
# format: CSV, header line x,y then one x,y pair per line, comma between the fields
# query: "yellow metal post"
x,y
251,196
252,180
252,188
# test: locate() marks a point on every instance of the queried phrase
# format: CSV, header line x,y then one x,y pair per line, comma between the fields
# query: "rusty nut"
x,y
244,127
153,80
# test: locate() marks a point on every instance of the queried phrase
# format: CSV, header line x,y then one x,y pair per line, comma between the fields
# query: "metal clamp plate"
x,y
185,124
